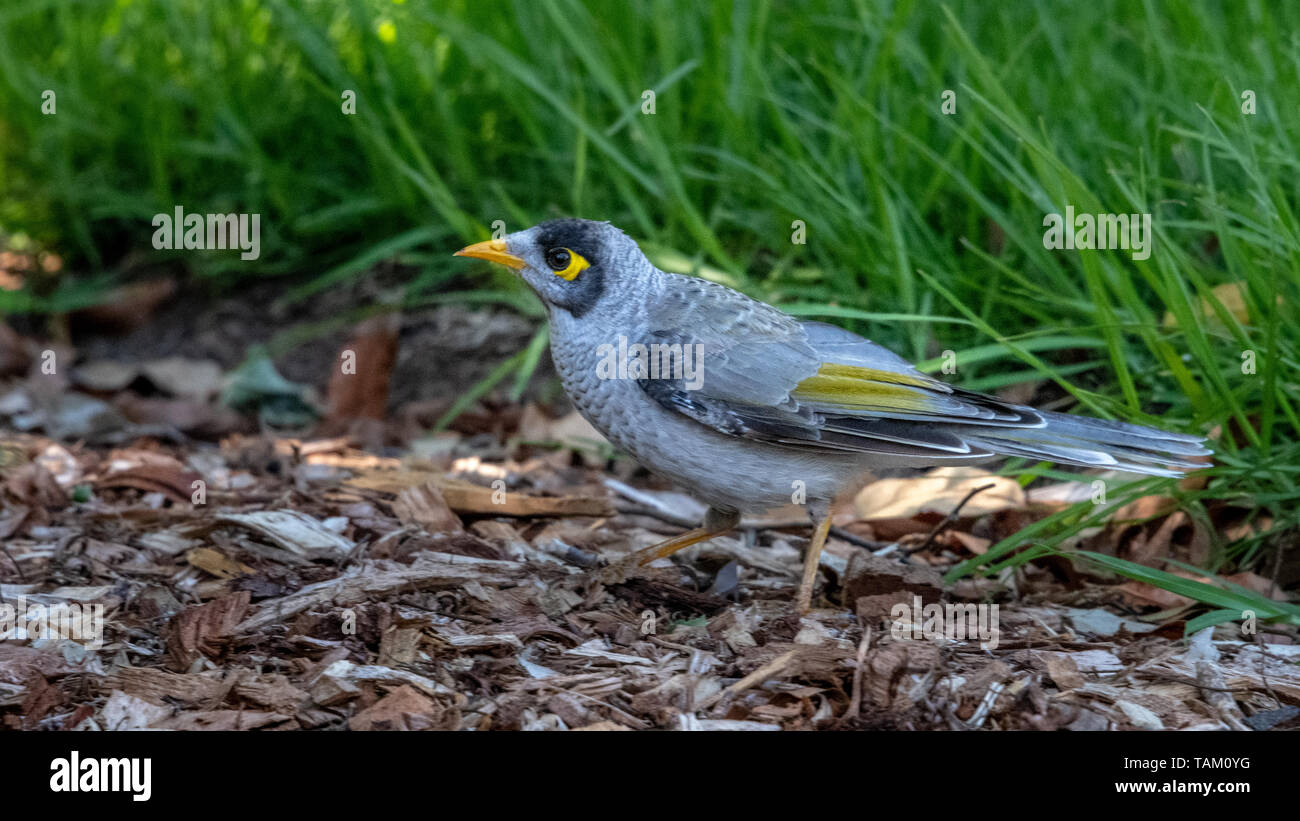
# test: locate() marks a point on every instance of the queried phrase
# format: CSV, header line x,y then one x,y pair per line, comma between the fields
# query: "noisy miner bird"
x,y
749,408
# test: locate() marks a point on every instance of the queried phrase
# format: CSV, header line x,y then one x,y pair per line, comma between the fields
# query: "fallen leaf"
x,y
1103,623
105,375
124,712
1140,716
216,563
359,382
293,530
174,481
572,431
975,544
256,384
203,419
939,491
34,486
1063,671
127,307
1230,295
197,379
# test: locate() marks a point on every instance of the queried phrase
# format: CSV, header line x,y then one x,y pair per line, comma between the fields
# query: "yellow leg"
x,y
810,563
715,524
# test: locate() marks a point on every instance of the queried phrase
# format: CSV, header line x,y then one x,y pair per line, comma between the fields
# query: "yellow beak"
x,y
492,250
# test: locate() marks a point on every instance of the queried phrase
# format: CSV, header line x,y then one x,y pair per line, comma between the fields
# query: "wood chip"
x,y
200,631
424,506
377,578
466,497
294,531
402,709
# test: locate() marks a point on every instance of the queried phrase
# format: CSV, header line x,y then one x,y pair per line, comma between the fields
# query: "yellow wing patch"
x,y
577,264
852,386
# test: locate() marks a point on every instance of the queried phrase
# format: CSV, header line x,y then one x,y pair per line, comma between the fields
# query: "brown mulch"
x,y
274,583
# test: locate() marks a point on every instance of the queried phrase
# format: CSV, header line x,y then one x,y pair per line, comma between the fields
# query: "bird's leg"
x,y
716,522
821,527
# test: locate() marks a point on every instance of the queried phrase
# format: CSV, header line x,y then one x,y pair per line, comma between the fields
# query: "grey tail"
x,y
1080,440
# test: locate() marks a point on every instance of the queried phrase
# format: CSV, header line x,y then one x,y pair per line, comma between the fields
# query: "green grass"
x,y
924,229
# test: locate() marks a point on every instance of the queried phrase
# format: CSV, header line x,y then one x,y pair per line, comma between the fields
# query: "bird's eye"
x,y
558,258
566,264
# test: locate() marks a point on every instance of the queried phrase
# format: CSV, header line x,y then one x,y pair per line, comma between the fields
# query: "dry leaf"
x,y
359,384
124,712
217,563
197,379
293,530
1230,295
173,481
939,491
572,430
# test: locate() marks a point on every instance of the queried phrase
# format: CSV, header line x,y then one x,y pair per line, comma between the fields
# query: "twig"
x,y
946,520
22,577
844,535
763,673
1210,680
986,705
855,703
1263,659
638,722
653,505
1277,568
441,570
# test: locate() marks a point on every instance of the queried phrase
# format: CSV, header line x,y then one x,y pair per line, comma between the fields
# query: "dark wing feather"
x,y
769,377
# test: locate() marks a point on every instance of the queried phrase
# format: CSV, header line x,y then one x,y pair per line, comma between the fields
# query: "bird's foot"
x,y
627,567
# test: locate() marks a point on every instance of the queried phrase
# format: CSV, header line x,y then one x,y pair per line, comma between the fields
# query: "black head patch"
x,y
588,239
584,236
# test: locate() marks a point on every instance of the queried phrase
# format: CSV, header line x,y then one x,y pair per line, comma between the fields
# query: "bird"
x,y
748,408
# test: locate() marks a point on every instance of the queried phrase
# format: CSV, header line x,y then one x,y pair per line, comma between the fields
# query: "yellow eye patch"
x,y
576,265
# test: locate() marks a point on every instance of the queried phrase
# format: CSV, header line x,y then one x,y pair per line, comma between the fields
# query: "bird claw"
x,y
617,572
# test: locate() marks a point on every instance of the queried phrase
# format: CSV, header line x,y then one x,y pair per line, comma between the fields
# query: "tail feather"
x,y
1080,440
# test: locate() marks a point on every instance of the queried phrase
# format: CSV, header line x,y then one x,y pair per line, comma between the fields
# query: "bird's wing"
x,y
769,377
